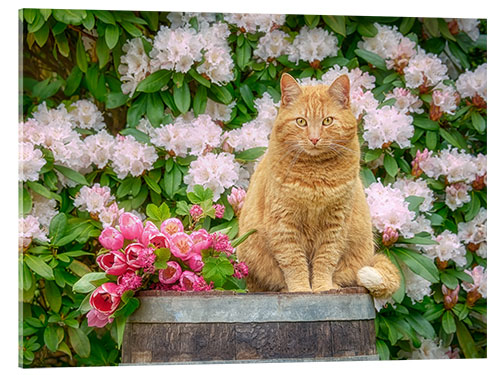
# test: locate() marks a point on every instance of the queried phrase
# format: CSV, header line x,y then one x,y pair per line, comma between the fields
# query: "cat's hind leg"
x,y
380,276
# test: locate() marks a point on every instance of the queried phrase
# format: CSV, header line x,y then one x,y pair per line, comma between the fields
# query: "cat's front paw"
x,y
325,288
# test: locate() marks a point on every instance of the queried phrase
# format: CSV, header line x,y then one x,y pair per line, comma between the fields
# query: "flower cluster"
x,y
386,125
424,70
252,23
313,45
472,84
272,45
131,157
137,254
135,65
99,202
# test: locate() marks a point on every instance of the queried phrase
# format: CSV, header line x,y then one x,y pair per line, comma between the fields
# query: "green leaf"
x,y
200,194
81,56
418,240
243,55
151,18
443,29
371,155
450,281
72,174
478,122
105,16
431,139
200,100
390,165
222,94
50,338
247,96
448,322
73,81
382,350
250,154
89,21
182,97
115,100
57,226
42,35
131,29
425,123
449,138
111,35
25,201
43,191
238,241
367,29
172,181
102,51
367,176
152,184
434,312
88,282
432,26
155,82
198,77
475,206
79,341
62,44
371,58
414,202
466,341
418,263
406,25
69,16
37,265
137,110
399,295
336,23
459,54
137,134
53,295
155,109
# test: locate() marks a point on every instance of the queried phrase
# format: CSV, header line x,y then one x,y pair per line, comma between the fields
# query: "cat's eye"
x,y
301,122
327,121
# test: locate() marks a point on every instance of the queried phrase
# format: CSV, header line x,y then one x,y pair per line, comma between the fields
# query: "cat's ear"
x,y
290,89
340,90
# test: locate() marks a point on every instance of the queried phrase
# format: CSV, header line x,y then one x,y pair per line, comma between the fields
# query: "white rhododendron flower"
x,y
470,84
272,45
100,148
30,162
430,349
85,115
135,65
406,102
219,111
416,188
385,125
132,157
181,19
389,44
425,69
313,44
448,248
217,172
416,286
93,199
252,23
43,209
29,229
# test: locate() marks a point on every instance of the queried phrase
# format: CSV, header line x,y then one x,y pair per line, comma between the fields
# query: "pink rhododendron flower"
x,y
111,238
389,236
128,281
219,210
105,298
479,275
130,226
196,212
415,164
170,274
98,319
201,241
181,245
221,243
450,296
236,199
195,262
171,226
113,263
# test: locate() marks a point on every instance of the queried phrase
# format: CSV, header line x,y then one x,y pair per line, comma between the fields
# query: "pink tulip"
x,y
195,262
201,241
171,226
133,255
105,298
149,230
113,263
111,238
170,274
188,280
159,240
180,245
130,226
97,319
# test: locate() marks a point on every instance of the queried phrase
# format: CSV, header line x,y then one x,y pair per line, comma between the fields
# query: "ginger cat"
x,y
306,200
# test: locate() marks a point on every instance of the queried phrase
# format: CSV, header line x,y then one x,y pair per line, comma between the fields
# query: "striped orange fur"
x,y
306,200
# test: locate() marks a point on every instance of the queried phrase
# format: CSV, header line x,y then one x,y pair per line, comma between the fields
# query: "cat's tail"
x,y
380,276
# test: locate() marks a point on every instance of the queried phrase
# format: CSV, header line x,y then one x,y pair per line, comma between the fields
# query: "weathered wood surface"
x,y
185,338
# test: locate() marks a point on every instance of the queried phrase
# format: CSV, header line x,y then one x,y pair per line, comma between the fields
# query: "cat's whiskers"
x,y
299,152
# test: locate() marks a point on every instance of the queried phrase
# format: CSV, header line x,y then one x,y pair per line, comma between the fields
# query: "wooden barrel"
x,y
219,327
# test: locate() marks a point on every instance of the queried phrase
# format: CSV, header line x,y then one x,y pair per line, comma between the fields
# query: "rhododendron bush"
x,y
140,132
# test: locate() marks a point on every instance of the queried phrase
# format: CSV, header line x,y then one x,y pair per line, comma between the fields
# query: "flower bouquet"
x,y
159,254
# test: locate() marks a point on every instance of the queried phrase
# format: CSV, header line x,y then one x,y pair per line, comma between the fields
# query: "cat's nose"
x,y
314,140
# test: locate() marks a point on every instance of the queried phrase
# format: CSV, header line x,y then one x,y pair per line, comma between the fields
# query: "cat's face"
x,y
315,119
